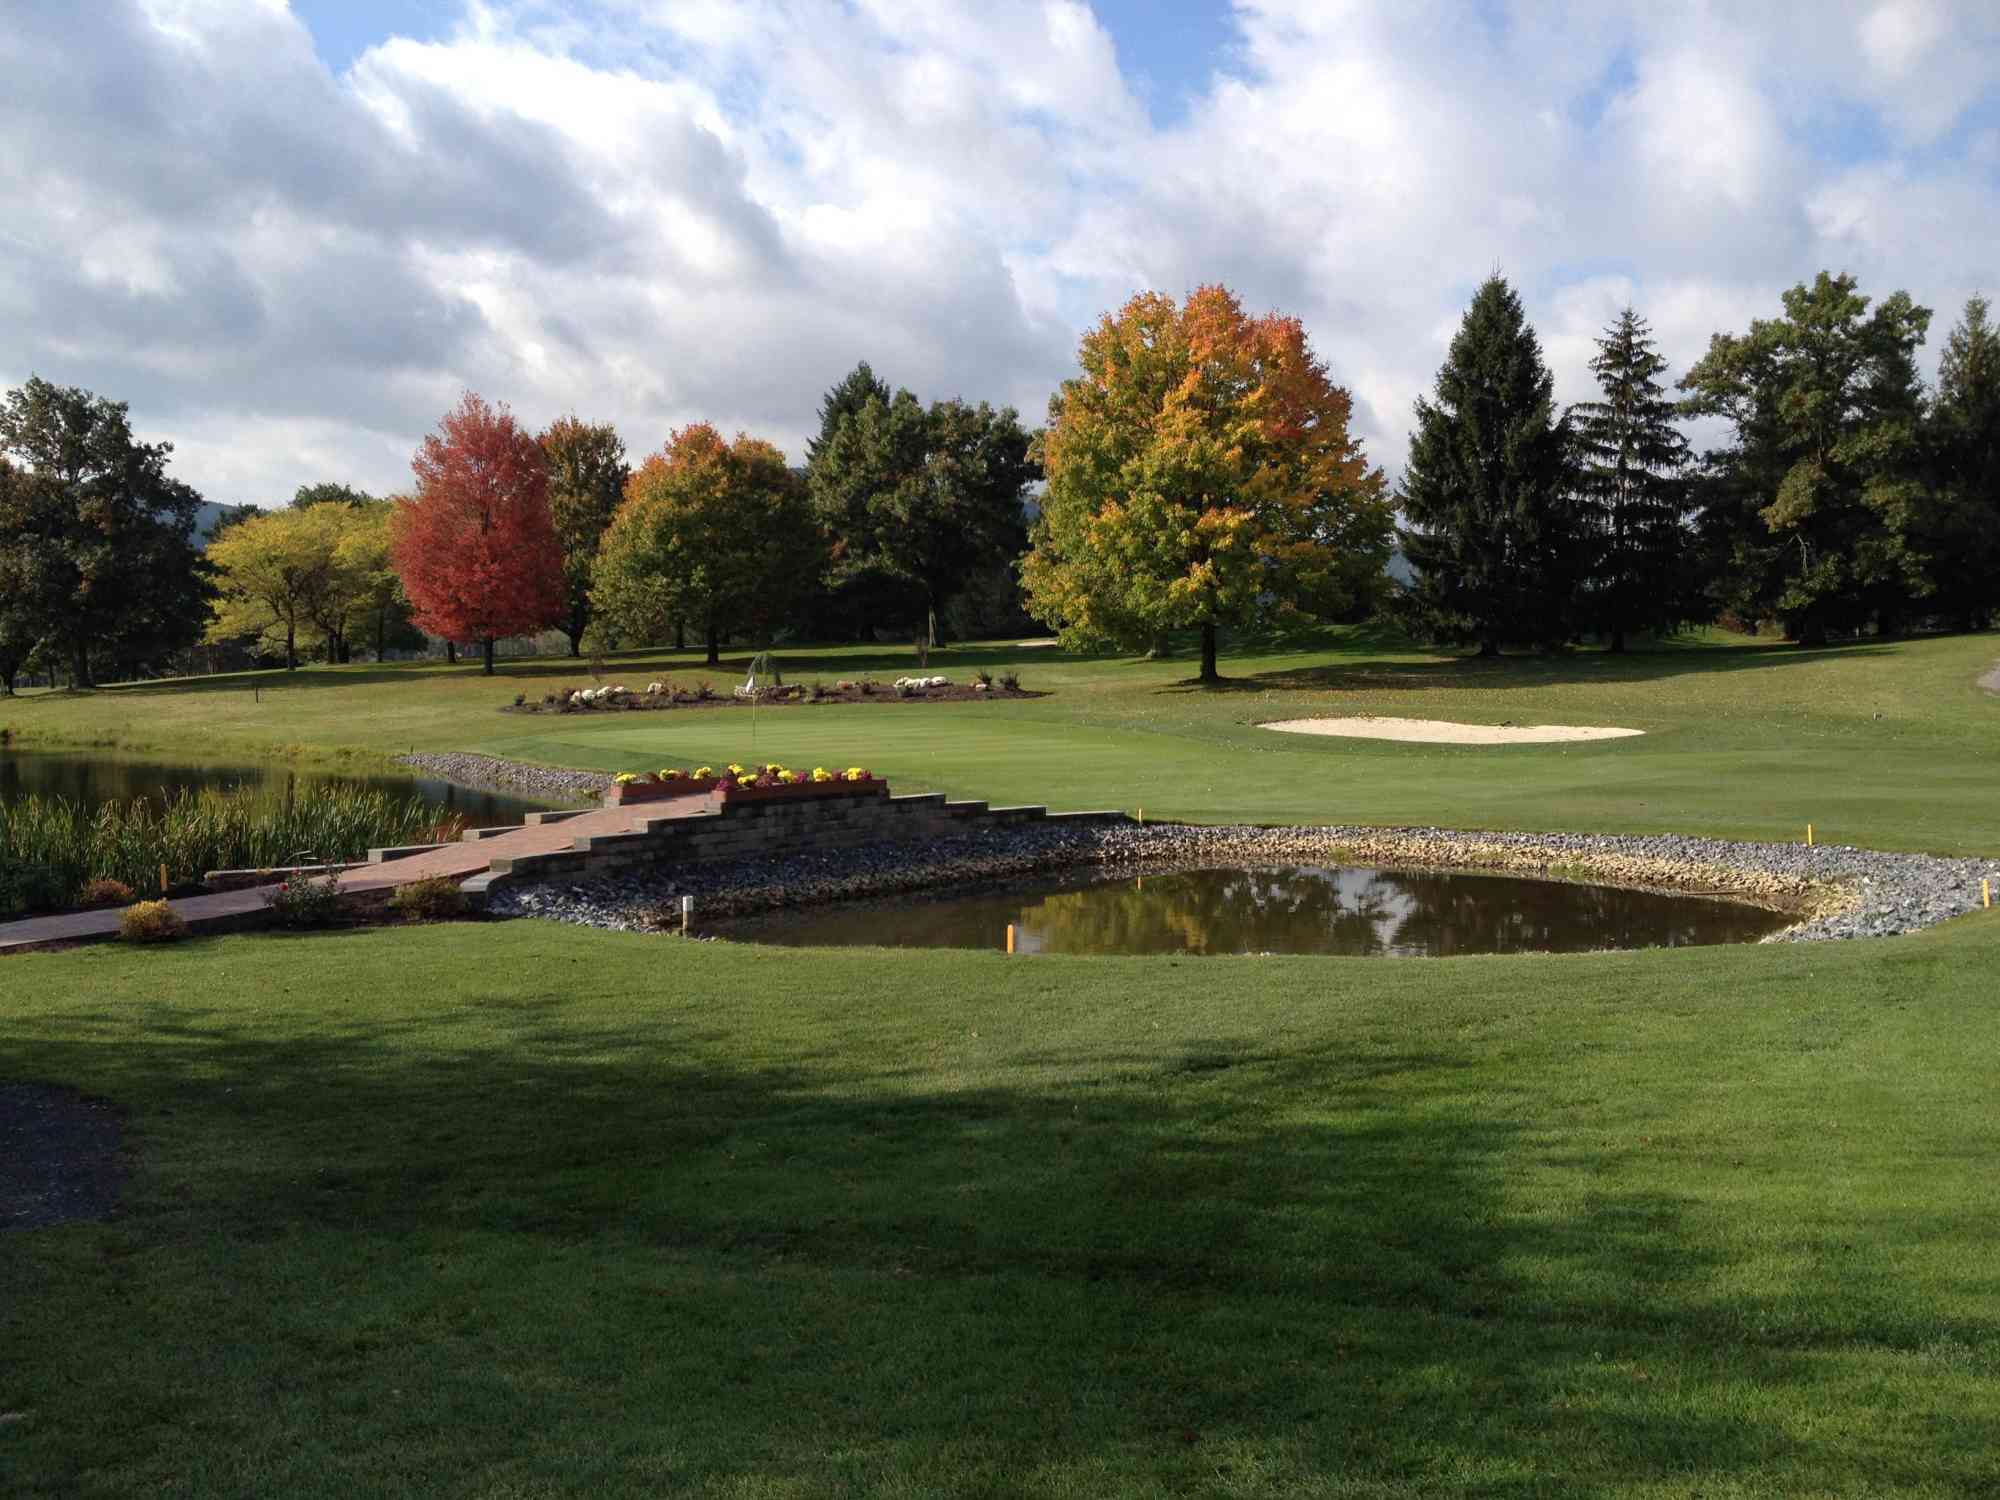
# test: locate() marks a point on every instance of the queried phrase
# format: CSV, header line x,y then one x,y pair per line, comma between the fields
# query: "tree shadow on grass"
x,y
1525,673
522,1245
797,662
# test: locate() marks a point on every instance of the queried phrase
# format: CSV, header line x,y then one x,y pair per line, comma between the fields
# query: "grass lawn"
x,y
1889,744
526,1210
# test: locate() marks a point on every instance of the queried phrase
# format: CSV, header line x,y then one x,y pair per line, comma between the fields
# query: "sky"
x,y
291,236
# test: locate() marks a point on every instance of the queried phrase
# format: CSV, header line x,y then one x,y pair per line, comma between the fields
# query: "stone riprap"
x,y
1837,892
498,775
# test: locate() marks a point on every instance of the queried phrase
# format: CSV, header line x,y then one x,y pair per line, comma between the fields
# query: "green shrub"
x,y
1010,681
151,922
305,902
430,900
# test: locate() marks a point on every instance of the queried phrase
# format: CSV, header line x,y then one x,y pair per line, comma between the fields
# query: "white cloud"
x,y
654,212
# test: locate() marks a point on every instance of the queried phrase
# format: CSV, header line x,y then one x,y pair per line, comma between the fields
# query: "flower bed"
x,y
739,783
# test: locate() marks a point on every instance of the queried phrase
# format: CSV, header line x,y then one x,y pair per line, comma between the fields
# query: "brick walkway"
x,y
245,908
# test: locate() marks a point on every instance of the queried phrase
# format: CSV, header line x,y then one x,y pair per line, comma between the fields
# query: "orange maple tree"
x,y
476,548
1200,474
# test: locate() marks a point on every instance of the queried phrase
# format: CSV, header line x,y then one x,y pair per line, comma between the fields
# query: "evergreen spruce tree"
x,y
845,400
1630,459
1492,538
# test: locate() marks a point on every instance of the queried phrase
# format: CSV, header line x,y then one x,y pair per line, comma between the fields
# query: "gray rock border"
x,y
490,773
1837,891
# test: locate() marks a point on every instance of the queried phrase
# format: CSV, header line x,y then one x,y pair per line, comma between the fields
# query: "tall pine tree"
x,y
1630,459
1493,536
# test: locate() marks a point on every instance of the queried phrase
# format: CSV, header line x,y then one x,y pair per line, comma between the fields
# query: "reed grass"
x,y
50,846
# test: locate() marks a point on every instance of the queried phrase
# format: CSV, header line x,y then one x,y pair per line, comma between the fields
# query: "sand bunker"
x,y
1444,732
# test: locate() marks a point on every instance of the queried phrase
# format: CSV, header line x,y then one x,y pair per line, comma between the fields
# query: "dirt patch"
x,y
1445,732
60,1156
1991,681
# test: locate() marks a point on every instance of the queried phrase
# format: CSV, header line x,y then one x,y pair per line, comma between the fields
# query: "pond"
x,y
1347,911
92,777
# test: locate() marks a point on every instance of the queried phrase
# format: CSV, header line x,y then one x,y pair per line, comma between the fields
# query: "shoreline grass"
x,y
50,846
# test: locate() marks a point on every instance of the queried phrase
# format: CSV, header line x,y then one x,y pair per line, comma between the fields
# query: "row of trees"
x,y
1201,475
899,508
1843,496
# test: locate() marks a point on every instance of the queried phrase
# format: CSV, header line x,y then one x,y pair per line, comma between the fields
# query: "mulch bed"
x,y
60,1156
792,696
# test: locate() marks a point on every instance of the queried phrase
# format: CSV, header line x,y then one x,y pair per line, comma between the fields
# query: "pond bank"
x,y
1837,892
508,775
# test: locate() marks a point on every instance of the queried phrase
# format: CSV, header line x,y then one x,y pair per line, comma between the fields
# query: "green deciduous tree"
x,y
329,493
105,538
712,532
1494,538
278,574
587,476
1961,532
1200,475
916,499
1813,513
1631,463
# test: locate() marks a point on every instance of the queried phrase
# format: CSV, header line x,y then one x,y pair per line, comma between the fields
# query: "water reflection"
x,y
1347,911
92,778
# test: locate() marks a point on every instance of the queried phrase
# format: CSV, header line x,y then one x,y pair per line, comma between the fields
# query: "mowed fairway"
x,y
518,1209
1891,744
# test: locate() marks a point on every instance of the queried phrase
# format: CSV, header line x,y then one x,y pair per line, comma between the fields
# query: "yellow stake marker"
x,y
163,880
1986,894
1010,937
1809,842
1142,817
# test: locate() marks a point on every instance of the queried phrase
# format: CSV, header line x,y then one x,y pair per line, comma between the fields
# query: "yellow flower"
x,y
625,778
821,773
672,773
734,769
703,773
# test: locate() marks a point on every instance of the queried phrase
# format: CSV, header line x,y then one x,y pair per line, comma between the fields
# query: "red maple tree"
x,y
476,548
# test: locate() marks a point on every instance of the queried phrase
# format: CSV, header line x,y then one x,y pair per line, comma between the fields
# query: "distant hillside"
x,y
211,515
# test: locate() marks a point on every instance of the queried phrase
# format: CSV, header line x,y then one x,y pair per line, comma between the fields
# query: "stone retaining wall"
x,y
748,830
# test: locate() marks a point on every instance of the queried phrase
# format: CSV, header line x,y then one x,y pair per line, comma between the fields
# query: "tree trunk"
x,y
574,630
714,645
291,648
1617,643
80,667
1208,672
381,631
488,645
451,652
680,635
1489,648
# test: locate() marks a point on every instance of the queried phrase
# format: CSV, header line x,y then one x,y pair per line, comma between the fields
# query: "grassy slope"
x,y
1891,745
524,1210
529,1210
